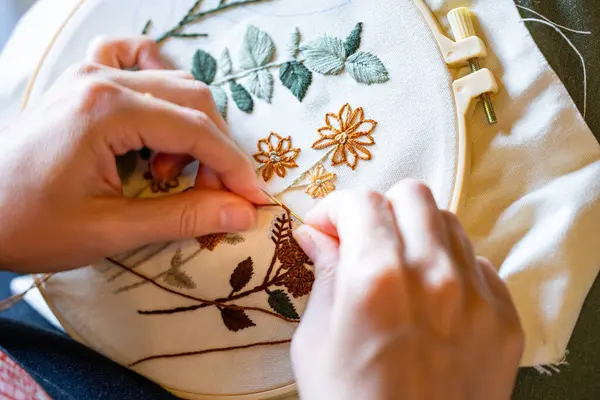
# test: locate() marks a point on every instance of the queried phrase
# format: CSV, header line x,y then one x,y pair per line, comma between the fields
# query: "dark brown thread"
x,y
215,350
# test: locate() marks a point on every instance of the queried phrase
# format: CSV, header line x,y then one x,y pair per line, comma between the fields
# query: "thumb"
x,y
184,215
323,250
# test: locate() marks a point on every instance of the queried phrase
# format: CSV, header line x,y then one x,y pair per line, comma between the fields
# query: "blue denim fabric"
x,y
68,370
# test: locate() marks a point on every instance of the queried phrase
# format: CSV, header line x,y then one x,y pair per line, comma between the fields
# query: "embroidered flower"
x,y
211,241
349,132
320,182
299,281
276,154
290,254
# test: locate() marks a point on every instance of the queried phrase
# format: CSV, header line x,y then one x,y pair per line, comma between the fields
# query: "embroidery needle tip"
x,y
273,199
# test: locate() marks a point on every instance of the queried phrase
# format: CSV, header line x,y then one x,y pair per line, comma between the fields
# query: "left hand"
x,y
61,202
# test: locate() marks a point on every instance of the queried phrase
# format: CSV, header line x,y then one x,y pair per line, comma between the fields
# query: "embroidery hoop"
x,y
465,90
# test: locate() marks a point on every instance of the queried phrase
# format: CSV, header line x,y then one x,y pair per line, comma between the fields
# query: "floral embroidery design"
x,y
320,182
276,154
349,134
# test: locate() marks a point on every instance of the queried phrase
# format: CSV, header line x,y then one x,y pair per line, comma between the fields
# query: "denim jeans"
x,y
68,370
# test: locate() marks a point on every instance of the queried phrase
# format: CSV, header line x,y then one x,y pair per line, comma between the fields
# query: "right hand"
x,y
401,307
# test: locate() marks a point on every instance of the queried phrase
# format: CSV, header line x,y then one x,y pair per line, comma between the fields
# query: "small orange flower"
x,y
350,133
276,154
321,182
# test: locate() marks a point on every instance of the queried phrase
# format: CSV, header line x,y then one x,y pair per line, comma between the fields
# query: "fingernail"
x,y
237,217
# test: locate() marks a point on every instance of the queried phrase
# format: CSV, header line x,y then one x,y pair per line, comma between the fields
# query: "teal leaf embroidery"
x,y
325,55
236,320
241,97
220,98
352,42
225,62
366,68
294,46
296,77
241,275
260,84
258,48
204,67
281,304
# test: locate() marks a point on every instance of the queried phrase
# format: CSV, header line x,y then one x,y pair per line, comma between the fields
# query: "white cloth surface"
x,y
533,203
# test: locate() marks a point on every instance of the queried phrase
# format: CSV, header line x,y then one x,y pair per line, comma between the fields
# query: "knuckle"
x,y
201,91
188,222
97,93
145,42
440,275
83,69
101,44
412,186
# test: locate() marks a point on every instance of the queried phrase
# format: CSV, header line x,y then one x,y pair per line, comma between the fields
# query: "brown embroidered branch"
x,y
215,350
291,274
190,297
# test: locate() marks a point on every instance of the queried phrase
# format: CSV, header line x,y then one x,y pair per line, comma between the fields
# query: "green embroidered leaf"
x,y
179,279
234,238
294,46
225,62
258,48
366,68
296,77
241,275
260,84
325,55
352,42
236,320
220,98
241,97
204,67
177,259
126,165
281,304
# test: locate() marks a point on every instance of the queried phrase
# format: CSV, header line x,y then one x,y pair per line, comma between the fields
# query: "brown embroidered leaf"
x,y
281,304
179,279
236,320
234,238
242,274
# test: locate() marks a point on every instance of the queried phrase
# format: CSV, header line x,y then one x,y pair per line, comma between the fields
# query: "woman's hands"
x,y
61,203
401,307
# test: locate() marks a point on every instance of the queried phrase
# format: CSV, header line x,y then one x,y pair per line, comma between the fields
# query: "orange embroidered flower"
x,y
321,182
276,154
350,133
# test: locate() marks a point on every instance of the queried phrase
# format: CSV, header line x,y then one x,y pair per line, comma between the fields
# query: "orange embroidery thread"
x,y
276,154
350,133
321,182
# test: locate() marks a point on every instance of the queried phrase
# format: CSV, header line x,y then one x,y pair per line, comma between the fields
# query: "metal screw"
x,y
486,100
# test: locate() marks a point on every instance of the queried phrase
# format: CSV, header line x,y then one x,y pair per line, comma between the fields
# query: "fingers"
x,y
419,220
181,216
323,250
369,242
129,52
139,120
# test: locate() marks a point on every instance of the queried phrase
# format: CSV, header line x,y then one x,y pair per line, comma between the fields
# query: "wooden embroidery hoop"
x,y
466,89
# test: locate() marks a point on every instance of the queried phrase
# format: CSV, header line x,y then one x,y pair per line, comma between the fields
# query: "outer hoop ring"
x,y
459,188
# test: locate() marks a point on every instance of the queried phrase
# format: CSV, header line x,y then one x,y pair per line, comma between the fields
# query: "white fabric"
x,y
533,197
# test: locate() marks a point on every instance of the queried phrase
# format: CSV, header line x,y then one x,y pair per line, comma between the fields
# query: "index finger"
x,y
169,128
364,223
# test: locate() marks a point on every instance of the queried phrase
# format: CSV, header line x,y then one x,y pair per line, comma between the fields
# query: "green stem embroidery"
x,y
247,72
191,16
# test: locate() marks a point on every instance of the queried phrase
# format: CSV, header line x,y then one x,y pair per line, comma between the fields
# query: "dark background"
x,y
580,378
